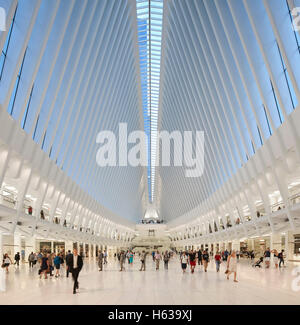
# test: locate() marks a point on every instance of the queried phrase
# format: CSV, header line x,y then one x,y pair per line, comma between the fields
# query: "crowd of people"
x,y
50,264
203,258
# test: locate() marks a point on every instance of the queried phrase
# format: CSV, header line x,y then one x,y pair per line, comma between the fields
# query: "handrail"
x,y
294,197
8,199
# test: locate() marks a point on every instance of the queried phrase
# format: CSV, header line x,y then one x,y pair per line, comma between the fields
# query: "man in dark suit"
x,y
68,261
76,264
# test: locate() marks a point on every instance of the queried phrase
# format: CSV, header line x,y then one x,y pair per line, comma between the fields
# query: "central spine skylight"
x,y
149,19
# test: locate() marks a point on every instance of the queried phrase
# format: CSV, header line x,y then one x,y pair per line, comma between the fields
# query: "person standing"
x,y
31,259
205,258
166,260
232,266
100,260
30,210
17,259
184,261
76,264
157,257
218,261
143,261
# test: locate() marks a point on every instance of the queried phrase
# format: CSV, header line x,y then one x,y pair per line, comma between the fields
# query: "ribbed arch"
x,y
71,71
220,76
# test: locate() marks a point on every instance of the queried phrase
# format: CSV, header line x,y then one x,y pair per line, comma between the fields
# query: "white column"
x,y
17,243
29,246
250,244
275,242
68,246
236,245
1,247
84,250
289,245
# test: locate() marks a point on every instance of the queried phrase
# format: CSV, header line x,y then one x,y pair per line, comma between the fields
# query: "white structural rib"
x,y
230,71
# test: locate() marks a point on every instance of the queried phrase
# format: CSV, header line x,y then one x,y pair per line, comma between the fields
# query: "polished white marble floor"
x,y
111,287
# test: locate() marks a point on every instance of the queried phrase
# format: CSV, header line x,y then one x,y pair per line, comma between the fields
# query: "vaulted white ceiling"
x,y
70,69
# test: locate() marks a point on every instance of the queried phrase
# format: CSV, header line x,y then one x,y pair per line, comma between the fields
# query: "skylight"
x,y
149,18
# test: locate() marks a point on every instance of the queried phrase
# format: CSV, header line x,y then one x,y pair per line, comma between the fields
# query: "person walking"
x,y
184,261
226,253
17,259
105,257
50,262
281,258
143,261
76,264
68,262
122,261
157,257
62,258
153,256
130,257
166,260
218,261
205,258
232,266
100,260
6,262
57,263
192,259
275,257
31,259
199,256
44,266
267,256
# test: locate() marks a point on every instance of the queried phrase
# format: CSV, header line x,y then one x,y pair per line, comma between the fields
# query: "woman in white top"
x,y
232,265
184,261
6,262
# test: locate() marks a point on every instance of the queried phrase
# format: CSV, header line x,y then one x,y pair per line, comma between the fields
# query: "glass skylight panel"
x,y
149,19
